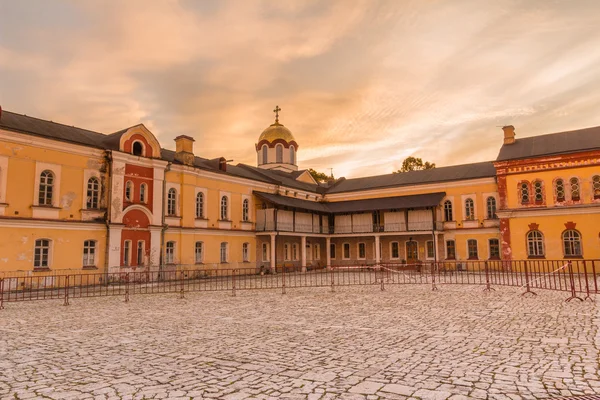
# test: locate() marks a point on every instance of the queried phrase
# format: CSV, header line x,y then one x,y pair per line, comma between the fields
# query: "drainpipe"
x,y
164,224
107,218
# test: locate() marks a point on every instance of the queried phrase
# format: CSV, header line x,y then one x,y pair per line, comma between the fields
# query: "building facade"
x,y
75,199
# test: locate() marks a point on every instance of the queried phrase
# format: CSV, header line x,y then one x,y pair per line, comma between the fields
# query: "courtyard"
x,y
354,343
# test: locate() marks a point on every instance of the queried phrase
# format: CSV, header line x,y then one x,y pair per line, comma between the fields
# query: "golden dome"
x,y
276,131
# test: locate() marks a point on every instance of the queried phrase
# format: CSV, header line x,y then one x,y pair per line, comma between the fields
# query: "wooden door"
x,y
412,252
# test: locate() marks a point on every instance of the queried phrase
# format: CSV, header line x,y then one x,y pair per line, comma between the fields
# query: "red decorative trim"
x,y
570,225
533,226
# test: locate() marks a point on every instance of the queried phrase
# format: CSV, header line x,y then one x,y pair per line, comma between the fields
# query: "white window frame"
x,y
264,154
476,248
245,252
57,171
265,250
199,252
227,195
364,245
287,252
95,193
89,247
172,209
279,153
392,250
140,250
144,193
246,209
205,202
292,155
126,253
490,249
535,241
295,255
41,247
469,216
170,248
224,252
579,240
446,248
344,251
129,191
451,210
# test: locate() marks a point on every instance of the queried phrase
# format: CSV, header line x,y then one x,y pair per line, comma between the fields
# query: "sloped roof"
x,y
383,203
553,143
443,174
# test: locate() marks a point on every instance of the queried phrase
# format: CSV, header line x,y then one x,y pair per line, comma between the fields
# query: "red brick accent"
x,y
138,175
570,225
533,226
135,236
136,219
137,137
505,235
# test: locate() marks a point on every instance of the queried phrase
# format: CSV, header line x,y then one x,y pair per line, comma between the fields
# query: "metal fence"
x,y
577,277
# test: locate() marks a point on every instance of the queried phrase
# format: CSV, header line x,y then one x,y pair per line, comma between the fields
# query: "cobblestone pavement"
x,y
356,343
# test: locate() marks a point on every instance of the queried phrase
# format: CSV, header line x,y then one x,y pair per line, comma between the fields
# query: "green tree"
x,y
414,164
319,176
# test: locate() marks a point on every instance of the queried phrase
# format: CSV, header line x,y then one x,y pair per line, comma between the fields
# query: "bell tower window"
x,y
138,149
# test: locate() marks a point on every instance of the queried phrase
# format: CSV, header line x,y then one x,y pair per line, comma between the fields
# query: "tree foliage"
x,y
414,164
319,176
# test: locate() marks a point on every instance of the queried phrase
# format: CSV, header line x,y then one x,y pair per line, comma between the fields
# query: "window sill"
x,y
245,222
173,216
494,259
223,220
46,207
89,267
451,259
575,257
536,257
201,219
41,269
473,258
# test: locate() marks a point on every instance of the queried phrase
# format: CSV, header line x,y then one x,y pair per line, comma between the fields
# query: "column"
x,y
303,252
328,251
273,252
114,248
377,250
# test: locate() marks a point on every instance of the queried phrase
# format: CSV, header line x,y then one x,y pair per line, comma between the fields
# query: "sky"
x,y
361,84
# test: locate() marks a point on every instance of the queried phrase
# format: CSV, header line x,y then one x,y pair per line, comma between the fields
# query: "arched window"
x,y
295,251
524,193
199,252
172,202
574,189
265,154
538,194
170,253
246,210
143,192
535,244
200,205
224,208
472,249
279,153
292,155
41,254
129,191
596,186
491,208
560,190
469,209
46,188
448,211
93,193
138,149
224,252
89,253
246,252
572,243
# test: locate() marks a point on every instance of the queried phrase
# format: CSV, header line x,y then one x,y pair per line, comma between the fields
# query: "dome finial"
x,y
276,111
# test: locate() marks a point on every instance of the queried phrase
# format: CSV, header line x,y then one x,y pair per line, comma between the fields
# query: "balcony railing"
x,y
427,226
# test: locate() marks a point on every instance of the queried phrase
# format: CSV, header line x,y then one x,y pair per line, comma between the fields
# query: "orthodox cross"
x,y
276,111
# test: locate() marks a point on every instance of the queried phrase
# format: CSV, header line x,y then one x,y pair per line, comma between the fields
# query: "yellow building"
x,y
75,199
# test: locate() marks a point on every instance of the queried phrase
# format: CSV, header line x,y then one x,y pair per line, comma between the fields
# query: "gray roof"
x,y
383,203
553,143
442,174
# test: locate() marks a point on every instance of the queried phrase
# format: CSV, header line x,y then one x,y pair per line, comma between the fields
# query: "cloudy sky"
x,y
362,84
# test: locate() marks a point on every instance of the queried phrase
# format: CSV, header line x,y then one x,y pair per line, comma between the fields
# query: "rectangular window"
x,y
286,252
362,251
199,252
317,251
295,251
450,250
89,253
332,251
140,252
430,249
170,253
246,252
495,249
265,252
41,257
472,247
346,255
395,251
127,253
224,252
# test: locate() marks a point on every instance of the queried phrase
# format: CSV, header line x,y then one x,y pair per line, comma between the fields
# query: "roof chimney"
x,y
509,134
184,149
222,164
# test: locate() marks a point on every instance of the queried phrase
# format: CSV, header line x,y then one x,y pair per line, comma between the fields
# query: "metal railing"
x,y
578,277
425,226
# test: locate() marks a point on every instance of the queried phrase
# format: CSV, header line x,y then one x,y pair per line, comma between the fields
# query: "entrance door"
x,y
412,252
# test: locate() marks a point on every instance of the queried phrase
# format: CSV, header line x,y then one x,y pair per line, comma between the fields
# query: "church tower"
x,y
276,148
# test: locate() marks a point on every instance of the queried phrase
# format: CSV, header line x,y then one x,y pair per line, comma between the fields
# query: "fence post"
x,y
332,281
433,285
127,287
572,282
181,291
528,290
1,293
282,278
382,278
66,303
487,278
587,283
233,282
